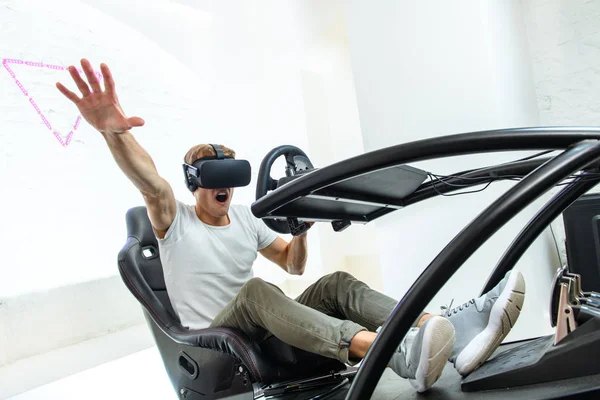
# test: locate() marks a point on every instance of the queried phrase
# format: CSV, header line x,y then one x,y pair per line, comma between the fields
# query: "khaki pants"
x,y
322,320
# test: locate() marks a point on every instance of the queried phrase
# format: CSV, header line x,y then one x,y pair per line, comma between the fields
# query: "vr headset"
x,y
216,172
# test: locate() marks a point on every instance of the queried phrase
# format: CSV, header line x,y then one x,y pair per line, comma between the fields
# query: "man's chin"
x,y
222,210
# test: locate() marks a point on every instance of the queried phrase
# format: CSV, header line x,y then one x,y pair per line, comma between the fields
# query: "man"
x,y
207,251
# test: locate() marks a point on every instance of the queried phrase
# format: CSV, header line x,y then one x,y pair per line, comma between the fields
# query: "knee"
x,y
338,278
253,286
257,291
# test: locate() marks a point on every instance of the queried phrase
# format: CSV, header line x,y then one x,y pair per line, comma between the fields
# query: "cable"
x,y
468,192
555,244
590,176
535,155
437,179
487,182
441,178
509,162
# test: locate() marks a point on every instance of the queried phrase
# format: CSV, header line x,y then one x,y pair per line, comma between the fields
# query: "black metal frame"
x,y
552,138
581,151
441,269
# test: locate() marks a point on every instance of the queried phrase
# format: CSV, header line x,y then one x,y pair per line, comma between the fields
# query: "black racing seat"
x,y
206,363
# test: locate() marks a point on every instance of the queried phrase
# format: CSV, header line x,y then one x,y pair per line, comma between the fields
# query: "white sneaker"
x,y
482,324
424,352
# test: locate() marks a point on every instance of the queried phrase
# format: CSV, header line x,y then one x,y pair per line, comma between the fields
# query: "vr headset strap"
x,y
218,151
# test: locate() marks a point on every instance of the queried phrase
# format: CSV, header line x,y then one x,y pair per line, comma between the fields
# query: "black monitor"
x,y
582,228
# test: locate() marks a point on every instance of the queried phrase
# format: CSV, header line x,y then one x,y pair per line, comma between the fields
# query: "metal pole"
x,y
536,225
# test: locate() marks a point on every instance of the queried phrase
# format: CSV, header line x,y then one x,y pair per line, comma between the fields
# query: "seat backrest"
x,y
141,269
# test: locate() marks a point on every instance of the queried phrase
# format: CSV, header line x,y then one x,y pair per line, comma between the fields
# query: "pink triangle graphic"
x,y
5,64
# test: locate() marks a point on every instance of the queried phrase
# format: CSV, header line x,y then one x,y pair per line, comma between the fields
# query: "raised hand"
x,y
101,109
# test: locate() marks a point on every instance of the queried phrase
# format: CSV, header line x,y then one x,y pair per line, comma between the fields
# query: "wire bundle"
x,y
436,179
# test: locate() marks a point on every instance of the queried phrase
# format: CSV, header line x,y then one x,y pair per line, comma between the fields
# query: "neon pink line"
x,y
10,71
7,61
46,121
59,138
22,88
40,113
64,143
42,65
35,106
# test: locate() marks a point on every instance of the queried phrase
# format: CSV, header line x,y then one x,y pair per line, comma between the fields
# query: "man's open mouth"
x,y
222,196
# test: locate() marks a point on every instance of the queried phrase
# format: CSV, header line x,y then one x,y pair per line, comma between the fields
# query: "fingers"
x,y
135,121
109,83
83,87
91,77
70,95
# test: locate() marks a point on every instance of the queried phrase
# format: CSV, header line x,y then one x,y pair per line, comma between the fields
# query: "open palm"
x,y
101,109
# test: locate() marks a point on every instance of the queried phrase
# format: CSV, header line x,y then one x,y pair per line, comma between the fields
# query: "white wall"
x,y
425,69
334,133
564,39
196,72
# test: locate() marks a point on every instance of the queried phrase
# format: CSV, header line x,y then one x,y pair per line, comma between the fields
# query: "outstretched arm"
x,y
101,109
137,165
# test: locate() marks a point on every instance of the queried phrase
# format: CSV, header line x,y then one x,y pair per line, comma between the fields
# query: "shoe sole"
x,y
503,317
438,342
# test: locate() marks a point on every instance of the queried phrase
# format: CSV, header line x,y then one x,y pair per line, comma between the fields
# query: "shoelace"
x,y
446,310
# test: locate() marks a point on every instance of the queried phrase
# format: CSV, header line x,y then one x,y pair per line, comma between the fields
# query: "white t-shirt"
x,y
205,266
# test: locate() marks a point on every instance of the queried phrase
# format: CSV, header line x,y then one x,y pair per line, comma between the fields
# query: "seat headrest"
x,y
144,258
140,227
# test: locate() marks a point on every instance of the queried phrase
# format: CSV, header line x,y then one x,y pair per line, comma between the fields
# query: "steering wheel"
x,y
296,162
